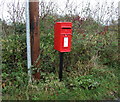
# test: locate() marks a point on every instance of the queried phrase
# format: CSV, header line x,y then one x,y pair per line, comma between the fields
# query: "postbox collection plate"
x,y
65,41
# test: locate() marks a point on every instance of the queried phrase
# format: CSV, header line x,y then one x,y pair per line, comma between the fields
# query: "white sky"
x,y
60,3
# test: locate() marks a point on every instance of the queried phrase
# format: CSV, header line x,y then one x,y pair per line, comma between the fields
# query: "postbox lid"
x,y
64,24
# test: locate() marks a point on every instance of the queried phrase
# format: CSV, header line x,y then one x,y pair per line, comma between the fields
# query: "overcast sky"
x,y
60,3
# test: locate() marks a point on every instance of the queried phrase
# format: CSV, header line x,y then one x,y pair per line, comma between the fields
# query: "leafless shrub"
x,y
16,12
47,9
15,15
104,14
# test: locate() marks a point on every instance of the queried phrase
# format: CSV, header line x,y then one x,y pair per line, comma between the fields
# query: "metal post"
x,y
119,30
1,36
28,40
35,35
61,66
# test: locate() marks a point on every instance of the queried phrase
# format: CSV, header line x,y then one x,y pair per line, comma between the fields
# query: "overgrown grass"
x,y
87,75
102,84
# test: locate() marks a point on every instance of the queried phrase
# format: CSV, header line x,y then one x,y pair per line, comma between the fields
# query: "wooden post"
x,y
35,36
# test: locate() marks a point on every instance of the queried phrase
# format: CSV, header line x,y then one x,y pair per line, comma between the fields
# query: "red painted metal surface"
x,y
62,36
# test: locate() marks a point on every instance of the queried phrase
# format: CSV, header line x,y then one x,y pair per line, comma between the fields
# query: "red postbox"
x,y
62,36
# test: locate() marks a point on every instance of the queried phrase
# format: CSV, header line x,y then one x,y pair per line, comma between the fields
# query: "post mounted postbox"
x,y
62,36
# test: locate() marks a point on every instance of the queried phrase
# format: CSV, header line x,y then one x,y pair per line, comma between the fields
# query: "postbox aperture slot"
x,y
66,28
